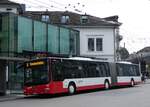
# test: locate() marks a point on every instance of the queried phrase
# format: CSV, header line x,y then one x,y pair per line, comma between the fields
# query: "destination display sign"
x,y
37,63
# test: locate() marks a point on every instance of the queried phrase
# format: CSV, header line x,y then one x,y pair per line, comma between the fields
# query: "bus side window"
x,y
131,71
103,70
66,68
80,73
126,70
91,70
94,70
100,71
107,69
84,65
119,70
57,71
88,70
97,71
73,69
137,70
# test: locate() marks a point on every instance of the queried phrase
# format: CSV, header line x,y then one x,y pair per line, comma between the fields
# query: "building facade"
x,y
20,36
8,6
99,37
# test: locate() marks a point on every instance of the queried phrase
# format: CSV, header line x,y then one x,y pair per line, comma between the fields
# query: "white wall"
x,y
108,42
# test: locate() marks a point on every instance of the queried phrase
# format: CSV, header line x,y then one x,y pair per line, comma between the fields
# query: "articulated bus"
x,y
69,75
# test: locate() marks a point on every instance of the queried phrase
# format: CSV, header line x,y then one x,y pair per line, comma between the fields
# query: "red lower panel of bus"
x,y
90,87
122,83
57,87
126,83
54,88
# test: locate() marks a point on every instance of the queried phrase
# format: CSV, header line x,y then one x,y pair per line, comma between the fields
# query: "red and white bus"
x,y
69,75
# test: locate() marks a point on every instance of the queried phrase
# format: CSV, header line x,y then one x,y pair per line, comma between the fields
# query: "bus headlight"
x,y
46,90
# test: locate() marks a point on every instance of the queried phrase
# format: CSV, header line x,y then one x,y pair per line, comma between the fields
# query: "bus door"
x,y
113,73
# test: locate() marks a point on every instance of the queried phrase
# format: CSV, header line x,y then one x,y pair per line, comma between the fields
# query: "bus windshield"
x,y
35,75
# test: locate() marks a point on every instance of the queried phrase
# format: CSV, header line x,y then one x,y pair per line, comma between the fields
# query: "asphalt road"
x,y
138,96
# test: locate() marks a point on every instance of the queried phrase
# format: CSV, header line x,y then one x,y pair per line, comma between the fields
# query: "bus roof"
x,y
125,62
72,58
81,58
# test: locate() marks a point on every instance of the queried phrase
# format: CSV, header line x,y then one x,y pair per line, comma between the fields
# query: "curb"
x,y
10,97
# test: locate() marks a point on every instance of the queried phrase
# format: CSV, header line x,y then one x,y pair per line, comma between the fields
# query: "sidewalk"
x,y
147,81
12,96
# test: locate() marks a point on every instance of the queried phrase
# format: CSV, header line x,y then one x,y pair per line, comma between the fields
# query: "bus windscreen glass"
x,y
36,73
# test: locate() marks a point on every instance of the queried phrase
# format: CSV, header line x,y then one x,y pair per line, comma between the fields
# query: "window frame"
x,y
91,44
84,19
95,47
65,19
45,18
100,47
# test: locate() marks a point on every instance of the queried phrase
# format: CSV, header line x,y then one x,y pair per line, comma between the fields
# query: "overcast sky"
x,y
134,14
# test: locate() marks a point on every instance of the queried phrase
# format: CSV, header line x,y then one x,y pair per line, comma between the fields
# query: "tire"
x,y
71,89
132,83
106,85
